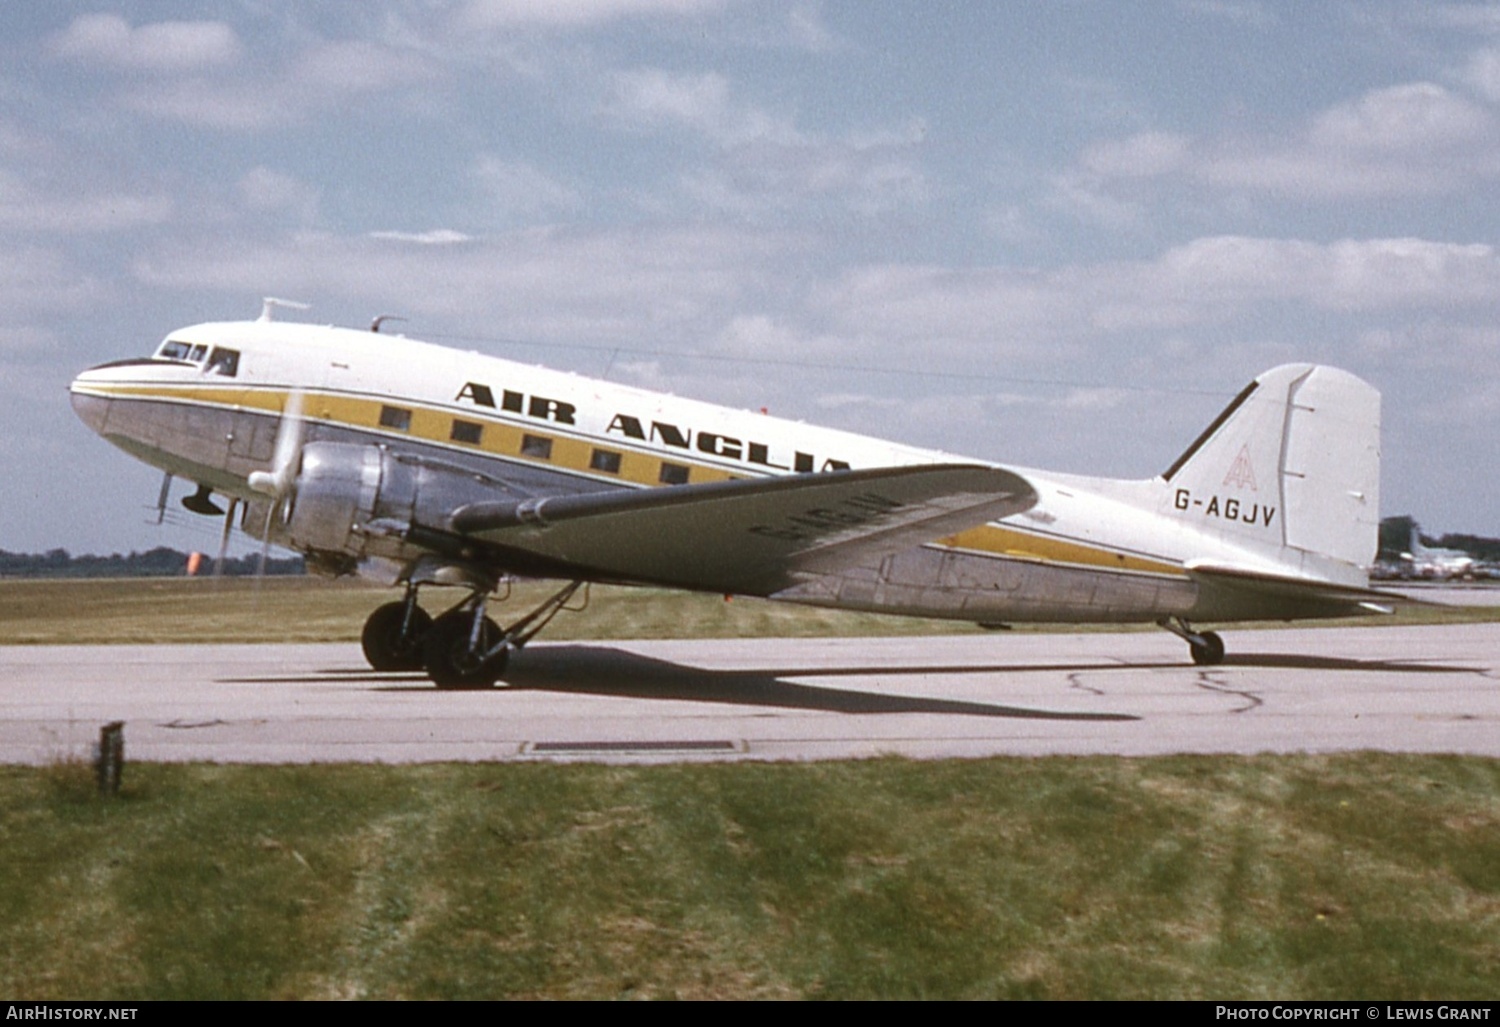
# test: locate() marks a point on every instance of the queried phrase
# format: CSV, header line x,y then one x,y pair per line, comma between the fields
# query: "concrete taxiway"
x,y
1407,689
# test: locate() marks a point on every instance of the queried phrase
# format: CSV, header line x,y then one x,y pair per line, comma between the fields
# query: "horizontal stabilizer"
x,y
748,536
1289,588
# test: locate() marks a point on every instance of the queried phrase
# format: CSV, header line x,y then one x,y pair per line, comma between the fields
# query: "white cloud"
x,y
768,177
517,188
264,190
26,208
1414,139
539,284
169,46
1041,316
1241,12
809,31
341,68
1408,118
37,280
1143,155
760,163
1087,198
1482,73
655,98
325,76
576,13
435,237
760,336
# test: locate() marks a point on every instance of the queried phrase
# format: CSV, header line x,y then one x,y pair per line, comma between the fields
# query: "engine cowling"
x,y
349,502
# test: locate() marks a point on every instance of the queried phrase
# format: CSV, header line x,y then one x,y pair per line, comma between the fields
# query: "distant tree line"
x,y
1484,549
1395,539
160,562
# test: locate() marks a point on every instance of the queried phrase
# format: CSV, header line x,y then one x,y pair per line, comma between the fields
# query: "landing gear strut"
x,y
394,634
461,648
1206,647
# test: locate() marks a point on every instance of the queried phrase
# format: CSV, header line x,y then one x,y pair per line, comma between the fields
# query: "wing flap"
x,y
751,536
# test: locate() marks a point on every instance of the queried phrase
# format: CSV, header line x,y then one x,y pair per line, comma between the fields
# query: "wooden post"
x,y
109,758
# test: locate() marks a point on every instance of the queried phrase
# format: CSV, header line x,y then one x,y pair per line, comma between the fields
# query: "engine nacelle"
x,y
349,502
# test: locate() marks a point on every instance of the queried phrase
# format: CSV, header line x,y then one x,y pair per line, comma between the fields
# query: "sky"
x,y
1055,235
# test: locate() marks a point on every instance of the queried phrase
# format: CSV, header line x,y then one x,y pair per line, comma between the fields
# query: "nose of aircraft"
x,y
92,409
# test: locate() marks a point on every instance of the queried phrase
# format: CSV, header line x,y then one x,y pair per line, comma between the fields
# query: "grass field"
x,y
1358,876
310,610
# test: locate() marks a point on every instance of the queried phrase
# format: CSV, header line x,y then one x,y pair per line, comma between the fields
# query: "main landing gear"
x,y
461,648
1206,647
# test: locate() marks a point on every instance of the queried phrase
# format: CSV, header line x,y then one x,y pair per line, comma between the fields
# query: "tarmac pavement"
x,y
1399,689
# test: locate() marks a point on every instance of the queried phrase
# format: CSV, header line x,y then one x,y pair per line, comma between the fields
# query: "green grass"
x,y
311,610
1352,876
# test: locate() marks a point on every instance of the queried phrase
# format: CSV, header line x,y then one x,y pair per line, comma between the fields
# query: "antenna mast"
x,y
270,304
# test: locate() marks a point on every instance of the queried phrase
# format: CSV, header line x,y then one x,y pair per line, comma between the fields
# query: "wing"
x,y
750,537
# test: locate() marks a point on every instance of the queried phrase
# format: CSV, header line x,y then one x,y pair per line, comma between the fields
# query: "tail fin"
x,y
1292,463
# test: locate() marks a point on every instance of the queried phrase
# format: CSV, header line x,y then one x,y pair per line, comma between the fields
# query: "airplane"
x,y
1440,564
364,449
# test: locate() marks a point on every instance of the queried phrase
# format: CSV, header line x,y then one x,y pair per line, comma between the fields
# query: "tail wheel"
x,y
452,662
391,641
1208,651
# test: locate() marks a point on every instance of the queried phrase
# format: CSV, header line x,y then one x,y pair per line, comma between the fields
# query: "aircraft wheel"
x,y
447,656
1209,652
382,640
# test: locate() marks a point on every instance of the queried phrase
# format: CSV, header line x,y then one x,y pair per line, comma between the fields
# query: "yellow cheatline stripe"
x,y
500,438
245,399
573,454
1020,545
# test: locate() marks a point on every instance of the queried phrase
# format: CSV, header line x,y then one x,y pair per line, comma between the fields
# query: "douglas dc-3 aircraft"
x,y
458,469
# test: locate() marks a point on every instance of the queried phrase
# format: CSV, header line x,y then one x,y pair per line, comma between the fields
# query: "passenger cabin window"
x,y
536,446
606,461
466,431
395,417
673,474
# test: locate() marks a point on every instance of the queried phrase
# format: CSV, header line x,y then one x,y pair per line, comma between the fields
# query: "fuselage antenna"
x,y
270,304
382,319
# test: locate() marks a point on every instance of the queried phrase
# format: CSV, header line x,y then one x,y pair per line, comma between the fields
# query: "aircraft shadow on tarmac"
x,y
1301,661
605,671
599,670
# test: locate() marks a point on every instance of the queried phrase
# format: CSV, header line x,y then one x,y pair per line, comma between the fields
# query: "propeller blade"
x,y
161,499
289,433
224,538
265,548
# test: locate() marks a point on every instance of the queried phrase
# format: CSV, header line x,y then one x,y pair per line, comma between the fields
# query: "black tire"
x,y
448,659
382,640
1210,652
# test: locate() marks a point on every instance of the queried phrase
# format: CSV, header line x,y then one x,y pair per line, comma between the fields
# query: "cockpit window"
x,y
217,360
224,361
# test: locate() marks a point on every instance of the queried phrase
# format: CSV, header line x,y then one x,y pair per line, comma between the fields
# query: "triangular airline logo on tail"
x,y
1241,474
